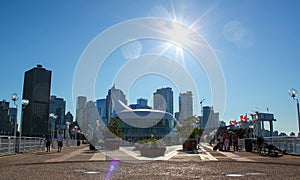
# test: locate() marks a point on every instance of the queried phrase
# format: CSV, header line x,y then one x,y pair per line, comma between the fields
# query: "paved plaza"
x,y
125,163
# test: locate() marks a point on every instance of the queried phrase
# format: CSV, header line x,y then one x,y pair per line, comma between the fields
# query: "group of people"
x,y
226,141
48,139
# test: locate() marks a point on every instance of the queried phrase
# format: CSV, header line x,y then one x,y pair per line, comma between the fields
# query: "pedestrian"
x,y
59,141
48,138
235,142
230,141
221,142
226,142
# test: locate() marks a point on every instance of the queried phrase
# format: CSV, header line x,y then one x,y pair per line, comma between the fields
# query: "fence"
x,y
7,145
290,145
11,145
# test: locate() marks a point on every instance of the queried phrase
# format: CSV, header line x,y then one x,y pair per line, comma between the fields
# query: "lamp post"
x,y
52,117
293,94
67,132
25,102
14,98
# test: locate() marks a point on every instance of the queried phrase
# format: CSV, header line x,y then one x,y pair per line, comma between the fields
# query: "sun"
x,y
178,39
179,32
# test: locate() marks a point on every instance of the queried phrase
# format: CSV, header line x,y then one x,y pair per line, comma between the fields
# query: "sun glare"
x,y
179,35
178,39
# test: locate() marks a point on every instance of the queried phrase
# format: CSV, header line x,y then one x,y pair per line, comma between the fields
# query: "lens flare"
x,y
113,166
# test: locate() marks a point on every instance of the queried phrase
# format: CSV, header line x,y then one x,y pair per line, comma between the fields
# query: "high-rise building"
x,y
80,108
69,117
163,100
185,105
210,119
140,104
37,84
4,117
58,107
222,124
101,106
114,94
12,119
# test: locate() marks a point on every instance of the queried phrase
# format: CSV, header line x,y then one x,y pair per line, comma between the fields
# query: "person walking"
x,y
48,138
221,142
59,141
235,142
226,142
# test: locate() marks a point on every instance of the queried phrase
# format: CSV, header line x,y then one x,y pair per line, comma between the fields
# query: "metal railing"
x,y
287,144
290,145
31,143
11,145
7,145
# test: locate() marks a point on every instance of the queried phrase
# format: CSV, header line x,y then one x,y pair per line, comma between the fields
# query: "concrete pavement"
x,y
81,163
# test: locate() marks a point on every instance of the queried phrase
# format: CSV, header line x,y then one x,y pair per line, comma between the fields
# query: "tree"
x,y
188,129
113,129
282,134
241,132
196,133
292,134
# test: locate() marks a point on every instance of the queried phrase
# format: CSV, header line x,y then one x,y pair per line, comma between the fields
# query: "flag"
x,y
234,122
243,117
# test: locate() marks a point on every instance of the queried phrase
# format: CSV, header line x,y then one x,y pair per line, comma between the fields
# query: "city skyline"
x,y
258,51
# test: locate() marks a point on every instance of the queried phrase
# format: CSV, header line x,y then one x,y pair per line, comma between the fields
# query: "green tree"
x,y
113,129
188,128
241,132
196,133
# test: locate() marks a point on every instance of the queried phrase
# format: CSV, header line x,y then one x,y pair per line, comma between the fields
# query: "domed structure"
x,y
137,124
142,123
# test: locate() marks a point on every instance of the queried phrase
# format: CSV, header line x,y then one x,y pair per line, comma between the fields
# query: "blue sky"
x,y
256,42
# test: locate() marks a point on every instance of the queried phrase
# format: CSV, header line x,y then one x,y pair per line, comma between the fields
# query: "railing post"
x,y
8,144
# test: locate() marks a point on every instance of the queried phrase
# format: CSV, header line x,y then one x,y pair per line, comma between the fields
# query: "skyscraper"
x,y
140,104
114,94
37,84
80,107
69,117
210,118
185,105
101,106
4,117
163,100
12,119
58,107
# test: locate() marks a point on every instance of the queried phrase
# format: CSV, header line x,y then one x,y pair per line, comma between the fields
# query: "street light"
x,y
53,117
293,94
67,134
14,98
25,102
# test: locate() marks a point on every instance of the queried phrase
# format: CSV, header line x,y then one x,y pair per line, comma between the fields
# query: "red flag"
x,y
231,122
234,122
243,117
